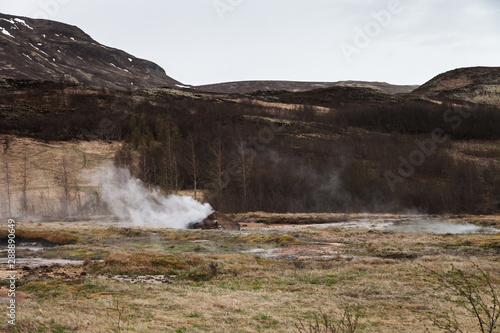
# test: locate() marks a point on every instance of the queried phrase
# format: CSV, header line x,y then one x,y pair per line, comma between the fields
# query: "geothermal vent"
x,y
216,221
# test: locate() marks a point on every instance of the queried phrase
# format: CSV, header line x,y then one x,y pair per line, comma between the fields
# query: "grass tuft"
x,y
143,262
267,239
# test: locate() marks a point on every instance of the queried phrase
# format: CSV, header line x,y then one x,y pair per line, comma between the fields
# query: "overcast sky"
x,y
210,41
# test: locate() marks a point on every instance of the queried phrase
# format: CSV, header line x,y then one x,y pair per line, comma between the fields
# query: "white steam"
x,y
128,198
436,227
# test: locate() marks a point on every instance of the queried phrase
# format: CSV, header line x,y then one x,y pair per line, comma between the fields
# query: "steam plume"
x,y
128,198
436,227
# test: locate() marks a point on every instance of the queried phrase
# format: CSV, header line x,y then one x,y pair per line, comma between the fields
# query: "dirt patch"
x,y
322,251
149,279
37,269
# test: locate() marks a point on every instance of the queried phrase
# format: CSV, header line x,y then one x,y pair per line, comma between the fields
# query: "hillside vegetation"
x,y
358,157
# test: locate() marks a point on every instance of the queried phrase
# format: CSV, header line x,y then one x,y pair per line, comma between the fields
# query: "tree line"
x,y
316,162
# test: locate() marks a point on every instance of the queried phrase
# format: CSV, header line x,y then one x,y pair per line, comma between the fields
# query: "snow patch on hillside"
x,y
5,32
122,69
36,48
23,22
11,21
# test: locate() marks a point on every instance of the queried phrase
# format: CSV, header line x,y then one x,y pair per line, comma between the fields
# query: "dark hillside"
x,y
43,50
254,158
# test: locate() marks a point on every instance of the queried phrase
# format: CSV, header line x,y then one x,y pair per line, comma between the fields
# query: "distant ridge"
x,y
246,87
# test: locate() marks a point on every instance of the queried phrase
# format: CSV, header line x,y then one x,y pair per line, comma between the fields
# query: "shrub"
x,y
347,322
473,291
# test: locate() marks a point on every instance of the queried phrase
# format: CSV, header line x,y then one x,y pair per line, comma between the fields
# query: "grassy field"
x,y
265,278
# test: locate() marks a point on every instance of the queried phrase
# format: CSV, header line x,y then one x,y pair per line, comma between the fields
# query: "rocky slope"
x,y
478,85
51,51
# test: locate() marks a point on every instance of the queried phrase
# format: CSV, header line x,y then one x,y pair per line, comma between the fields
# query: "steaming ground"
x,y
436,227
128,198
134,204
407,223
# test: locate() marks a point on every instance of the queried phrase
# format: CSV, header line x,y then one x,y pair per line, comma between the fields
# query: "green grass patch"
x,y
74,253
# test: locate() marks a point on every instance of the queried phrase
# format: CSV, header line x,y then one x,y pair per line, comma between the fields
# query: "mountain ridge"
x,y
44,50
37,49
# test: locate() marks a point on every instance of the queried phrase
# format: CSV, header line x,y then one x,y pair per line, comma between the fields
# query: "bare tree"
x,y
66,191
346,322
6,146
169,167
118,317
192,162
173,172
110,130
216,170
144,164
244,159
24,190
79,206
124,157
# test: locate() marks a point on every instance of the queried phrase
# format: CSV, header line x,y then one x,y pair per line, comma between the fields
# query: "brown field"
x,y
264,278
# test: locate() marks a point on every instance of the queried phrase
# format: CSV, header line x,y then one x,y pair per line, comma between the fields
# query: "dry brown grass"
x,y
269,297
44,167
243,292
172,235
143,262
481,241
52,237
265,239
258,218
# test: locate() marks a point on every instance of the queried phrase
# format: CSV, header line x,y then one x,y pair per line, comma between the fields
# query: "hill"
x,y
46,50
477,85
246,87
331,97
342,148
